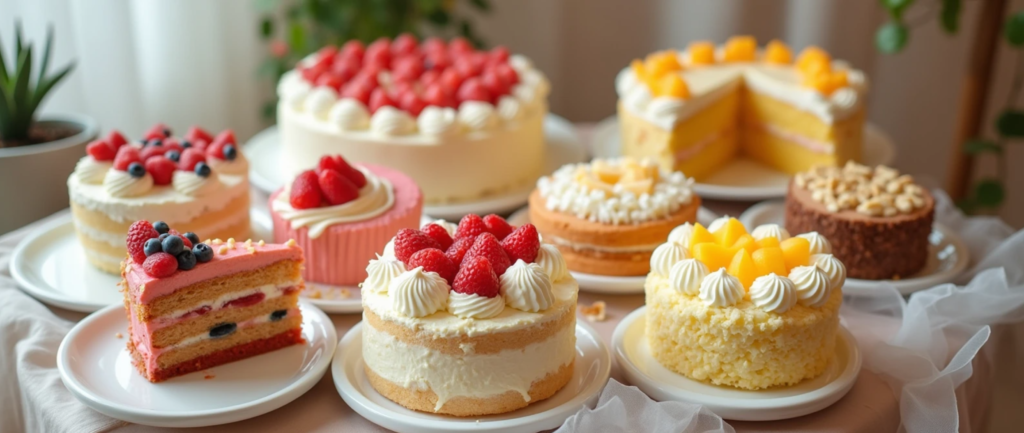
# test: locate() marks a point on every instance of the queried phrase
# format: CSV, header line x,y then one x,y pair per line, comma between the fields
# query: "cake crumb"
x,y
290,243
345,294
217,241
118,335
594,312
223,249
251,250
313,293
207,375
231,243
260,243
248,243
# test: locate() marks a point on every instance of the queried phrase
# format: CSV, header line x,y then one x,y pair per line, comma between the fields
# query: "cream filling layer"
x,y
475,376
196,339
692,151
269,291
816,146
584,246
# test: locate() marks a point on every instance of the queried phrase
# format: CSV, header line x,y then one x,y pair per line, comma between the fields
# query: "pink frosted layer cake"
x,y
350,221
194,305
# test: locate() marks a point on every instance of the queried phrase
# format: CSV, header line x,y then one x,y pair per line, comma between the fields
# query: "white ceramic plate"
x,y
634,356
95,366
948,257
564,147
593,365
603,283
50,266
745,180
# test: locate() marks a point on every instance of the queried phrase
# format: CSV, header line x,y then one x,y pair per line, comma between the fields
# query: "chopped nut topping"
x,y
594,312
881,191
260,243
223,249
290,243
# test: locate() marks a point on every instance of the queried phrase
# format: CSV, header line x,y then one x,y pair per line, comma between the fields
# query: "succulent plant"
x,y
21,93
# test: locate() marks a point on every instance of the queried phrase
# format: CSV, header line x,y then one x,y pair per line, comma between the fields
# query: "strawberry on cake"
x,y
341,215
197,182
194,305
470,321
463,123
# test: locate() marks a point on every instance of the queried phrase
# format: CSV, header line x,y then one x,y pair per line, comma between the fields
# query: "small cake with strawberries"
x,y
198,182
464,124
342,215
471,320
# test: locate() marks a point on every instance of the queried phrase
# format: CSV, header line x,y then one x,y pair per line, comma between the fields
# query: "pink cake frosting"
x,y
339,255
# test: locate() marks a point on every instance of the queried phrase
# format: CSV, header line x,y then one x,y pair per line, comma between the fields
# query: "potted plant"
x,y
36,154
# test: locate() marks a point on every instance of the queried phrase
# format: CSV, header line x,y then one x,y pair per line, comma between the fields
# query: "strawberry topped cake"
x,y
197,182
470,320
463,123
194,305
342,215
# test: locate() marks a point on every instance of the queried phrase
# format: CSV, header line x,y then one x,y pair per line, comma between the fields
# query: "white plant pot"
x,y
33,178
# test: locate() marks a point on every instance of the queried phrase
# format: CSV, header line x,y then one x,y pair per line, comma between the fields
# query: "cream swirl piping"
x,y
510,109
812,285
416,293
773,293
681,234
89,170
319,102
687,276
380,272
392,121
477,116
194,185
819,245
832,267
667,255
770,231
526,287
119,183
349,115
551,260
474,306
437,121
719,289
375,198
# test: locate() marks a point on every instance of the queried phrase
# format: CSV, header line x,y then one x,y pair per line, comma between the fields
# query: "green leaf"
x,y
976,147
891,37
949,16
896,7
46,84
1010,123
297,37
18,45
266,27
3,66
989,193
21,79
46,55
481,5
1015,29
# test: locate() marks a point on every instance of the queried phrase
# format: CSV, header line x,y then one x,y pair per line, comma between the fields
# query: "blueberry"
x,y
162,237
230,153
202,170
185,144
136,170
161,227
156,142
222,329
278,315
167,132
173,245
202,252
186,260
143,142
192,237
173,155
152,246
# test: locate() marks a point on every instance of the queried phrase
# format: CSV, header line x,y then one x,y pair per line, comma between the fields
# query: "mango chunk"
x,y
778,52
740,49
729,232
770,260
700,235
768,242
813,60
673,86
713,256
702,53
661,63
743,268
746,242
796,251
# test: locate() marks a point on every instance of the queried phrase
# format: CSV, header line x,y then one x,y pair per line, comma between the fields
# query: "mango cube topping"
x,y
778,52
813,59
638,177
661,63
743,257
740,49
672,85
702,53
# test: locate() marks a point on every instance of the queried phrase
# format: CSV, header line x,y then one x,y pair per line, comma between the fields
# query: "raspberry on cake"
x,y
463,123
714,294
696,110
161,176
194,305
486,327
341,214
608,216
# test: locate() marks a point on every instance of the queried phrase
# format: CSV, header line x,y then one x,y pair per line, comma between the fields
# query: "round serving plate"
x,y
743,179
591,371
948,256
96,367
629,344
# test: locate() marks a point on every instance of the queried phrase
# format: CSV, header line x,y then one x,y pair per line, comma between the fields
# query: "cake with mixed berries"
x,y
746,310
198,183
475,321
463,123
696,110
342,215
195,305
876,220
608,216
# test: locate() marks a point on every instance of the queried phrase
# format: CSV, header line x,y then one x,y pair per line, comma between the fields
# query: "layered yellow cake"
x,y
697,110
747,310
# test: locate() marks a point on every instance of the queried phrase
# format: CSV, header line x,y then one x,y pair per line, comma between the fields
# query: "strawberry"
x,y
522,244
336,188
354,49
160,265
499,54
189,158
161,168
438,234
379,98
305,192
405,43
477,277
459,248
358,91
467,66
497,226
411,241
331,80
215,150
138,233
487,246
115,139
433,45
327,54
411,103
125,156
226,136
344,69
494,84
151,151
434,260
430,77
473,90
172,144
200,144
460,45
337,163
101,150
158,131
378,52
507,74
196,133
436,95
470,226
450,80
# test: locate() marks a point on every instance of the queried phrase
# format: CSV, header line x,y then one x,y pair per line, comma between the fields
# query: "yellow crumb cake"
x,y
746,310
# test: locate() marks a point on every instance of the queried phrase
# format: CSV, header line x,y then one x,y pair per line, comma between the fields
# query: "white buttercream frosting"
x,y
510,109
773,293
380,272
812,285
681,234
119,183
194,185
770,231
687,276
666,256
819,245
832,267
719,289
665,109
526,287
375,198
319,102
349,115
552,262
477,116
437,121
390,121
89,170
389,249
473,306
415,293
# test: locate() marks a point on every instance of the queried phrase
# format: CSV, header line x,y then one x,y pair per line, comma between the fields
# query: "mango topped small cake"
x,y
747,310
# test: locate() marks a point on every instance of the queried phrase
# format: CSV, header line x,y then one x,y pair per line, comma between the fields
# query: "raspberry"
x,y
115,139
487,246
405,43
468,66
473,90
189,158
159,131
200,144
434,260
460,45
196,133
125,156
522,244
436,95
470,227
172,144
411,103
215,150
101,150
450,80
499,54
353,48
494,84
379,98
409,242
477,277
438,234
305,192
507,74
337,189
497,226
339,164
226,136
152,151
162,169
160,265
459,248
138,233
